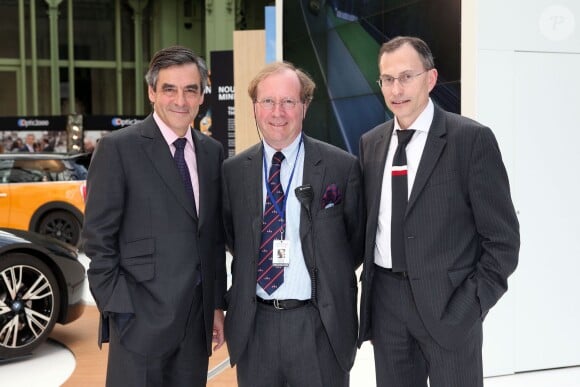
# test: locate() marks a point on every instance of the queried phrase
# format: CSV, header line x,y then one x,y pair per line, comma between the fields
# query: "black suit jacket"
x,y
461,230
331,242
146,243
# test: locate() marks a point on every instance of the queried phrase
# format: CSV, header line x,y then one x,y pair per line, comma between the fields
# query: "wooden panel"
x,y
91,363
249,58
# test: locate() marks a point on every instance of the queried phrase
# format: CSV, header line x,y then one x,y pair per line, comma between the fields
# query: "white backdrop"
x,y
528,91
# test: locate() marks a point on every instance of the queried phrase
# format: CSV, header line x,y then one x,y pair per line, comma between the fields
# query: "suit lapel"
x,y
204,172
377,153
433,147
252,178
157,150
313,174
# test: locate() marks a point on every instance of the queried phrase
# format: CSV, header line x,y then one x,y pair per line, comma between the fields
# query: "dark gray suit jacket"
x,y
146,243
335,234
461,230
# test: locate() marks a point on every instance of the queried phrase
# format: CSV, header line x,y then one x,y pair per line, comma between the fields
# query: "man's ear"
x,y
151,94
432,74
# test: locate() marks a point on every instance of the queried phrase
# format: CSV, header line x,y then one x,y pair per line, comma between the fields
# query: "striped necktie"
x,y
271,277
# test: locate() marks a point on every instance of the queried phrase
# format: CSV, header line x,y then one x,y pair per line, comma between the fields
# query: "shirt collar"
x,y
289,152
423,122
168,134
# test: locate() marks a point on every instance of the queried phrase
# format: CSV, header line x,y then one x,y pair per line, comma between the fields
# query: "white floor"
x,y
362,375
562,377
52,364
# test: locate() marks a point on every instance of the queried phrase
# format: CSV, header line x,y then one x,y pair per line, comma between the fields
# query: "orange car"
x,y
44,193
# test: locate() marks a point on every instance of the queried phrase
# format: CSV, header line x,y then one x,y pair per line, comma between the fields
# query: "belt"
x,y
389,271
283,304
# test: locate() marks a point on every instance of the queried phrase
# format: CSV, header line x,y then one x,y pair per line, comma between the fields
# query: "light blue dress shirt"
x,y
297,283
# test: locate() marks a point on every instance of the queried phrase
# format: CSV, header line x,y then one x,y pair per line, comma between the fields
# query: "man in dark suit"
x,y
154,235
30,144
438,260
291,316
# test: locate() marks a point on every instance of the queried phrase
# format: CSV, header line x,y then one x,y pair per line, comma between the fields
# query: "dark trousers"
x,y
405,353
186,366
289,348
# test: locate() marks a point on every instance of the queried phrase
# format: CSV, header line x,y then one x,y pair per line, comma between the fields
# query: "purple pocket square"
x,y
331,197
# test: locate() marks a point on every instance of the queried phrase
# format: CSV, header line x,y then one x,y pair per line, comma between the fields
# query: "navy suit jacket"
x,y
147,244
461,230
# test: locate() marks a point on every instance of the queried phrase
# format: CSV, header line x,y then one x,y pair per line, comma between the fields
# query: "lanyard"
x,y
281,211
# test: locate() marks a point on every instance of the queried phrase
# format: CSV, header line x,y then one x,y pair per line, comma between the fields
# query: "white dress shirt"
x,y
414,151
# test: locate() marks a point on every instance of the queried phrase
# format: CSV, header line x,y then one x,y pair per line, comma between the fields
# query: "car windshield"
x,y
31,170
77,170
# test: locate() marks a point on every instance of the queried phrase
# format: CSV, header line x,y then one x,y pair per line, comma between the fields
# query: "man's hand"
x,y
218,329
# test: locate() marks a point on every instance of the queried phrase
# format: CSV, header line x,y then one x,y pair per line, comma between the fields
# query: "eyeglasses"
x,y
285,104
404,79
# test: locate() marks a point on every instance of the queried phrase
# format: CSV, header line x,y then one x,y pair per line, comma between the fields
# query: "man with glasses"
x,y
291,316
442,234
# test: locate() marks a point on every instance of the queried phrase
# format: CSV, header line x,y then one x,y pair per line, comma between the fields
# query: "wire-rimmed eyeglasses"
x,y
404,79
285,104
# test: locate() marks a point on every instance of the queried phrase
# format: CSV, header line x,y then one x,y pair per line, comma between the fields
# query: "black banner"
x,y
109,122
222,100
36,123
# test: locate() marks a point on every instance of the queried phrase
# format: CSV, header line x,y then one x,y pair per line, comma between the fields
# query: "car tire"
x,y
61,225
29,304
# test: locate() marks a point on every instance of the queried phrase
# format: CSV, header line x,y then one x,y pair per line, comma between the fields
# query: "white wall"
x,y
526,87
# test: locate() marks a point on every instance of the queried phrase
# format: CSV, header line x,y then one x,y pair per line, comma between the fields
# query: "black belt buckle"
x,y
283,304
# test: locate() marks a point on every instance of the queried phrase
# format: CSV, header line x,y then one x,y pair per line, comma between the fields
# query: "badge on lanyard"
x,y
281,253
281,247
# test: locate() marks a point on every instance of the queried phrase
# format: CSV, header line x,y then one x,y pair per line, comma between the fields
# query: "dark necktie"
x,y
399,201
271,277
179,158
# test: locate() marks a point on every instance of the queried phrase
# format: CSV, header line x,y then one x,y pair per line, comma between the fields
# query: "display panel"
x,y
337,43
